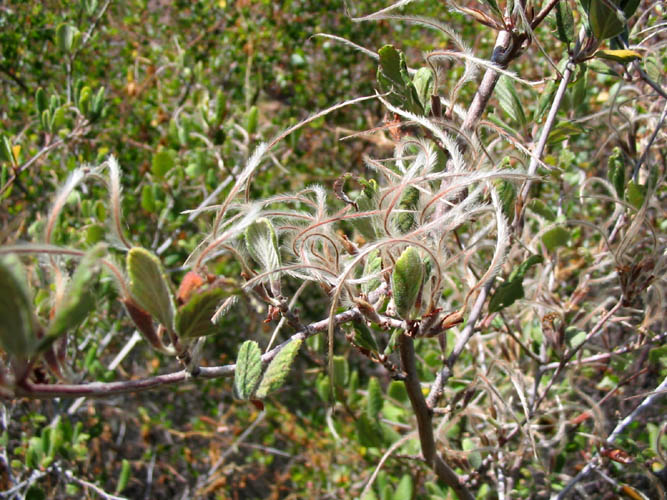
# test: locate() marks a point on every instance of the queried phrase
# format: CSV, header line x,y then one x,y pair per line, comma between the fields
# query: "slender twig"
x,y
234,447
539,17
444,374
642,159
618,430
424,420
384,458
18,81
542,142
95,488
105,389
573,352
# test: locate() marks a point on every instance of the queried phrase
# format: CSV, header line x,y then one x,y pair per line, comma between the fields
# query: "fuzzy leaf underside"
x,y
17,336
278,368
372,266
409,201
406,281
149,286
78,298
262,244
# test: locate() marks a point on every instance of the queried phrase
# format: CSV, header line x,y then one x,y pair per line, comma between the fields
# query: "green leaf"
x,y
512,290
509,100
653,68
406,281
622,56
369,432
635,194
545,100
605,22
404,488
17,324
564,22
78,300
363,337
65,37
616,171
35,492
323,387
424,81
248,369
41,102
262,244
396,390
85,97
124,476
341,371
507,193
58,119
393,76
98,103
542,209
45,120
367,202
556,237
409,203
564,130
163,161
372,266
252,120
375,400
277,371
6,153
390,64
494,6
147,200
149,286
193,319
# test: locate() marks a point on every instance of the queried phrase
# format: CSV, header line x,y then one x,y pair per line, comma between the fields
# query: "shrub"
x,y
473,307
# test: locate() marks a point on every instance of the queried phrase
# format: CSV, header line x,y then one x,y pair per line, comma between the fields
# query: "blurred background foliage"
x,y
188,90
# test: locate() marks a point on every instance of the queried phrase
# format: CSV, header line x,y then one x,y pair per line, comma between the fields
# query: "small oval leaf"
x,y
248,369
375,400
278,368
149,286
406,282
17,333
78,298
193,319
621,56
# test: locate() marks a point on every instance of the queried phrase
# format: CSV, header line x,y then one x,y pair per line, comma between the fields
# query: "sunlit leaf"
x,y
278,368
248,369
149,286
564,22
512,290
372,267
623,56
556,237
17,327
78,300
406,281
163,161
